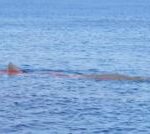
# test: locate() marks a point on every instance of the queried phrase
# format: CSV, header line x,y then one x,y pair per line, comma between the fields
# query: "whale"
x,y
12,70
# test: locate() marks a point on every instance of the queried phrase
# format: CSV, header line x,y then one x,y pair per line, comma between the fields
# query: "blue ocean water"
x,y
75,36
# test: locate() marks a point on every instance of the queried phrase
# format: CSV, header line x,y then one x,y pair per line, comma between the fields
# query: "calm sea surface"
x,y
75,36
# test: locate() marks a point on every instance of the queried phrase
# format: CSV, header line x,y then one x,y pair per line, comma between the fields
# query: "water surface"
x,y
87,37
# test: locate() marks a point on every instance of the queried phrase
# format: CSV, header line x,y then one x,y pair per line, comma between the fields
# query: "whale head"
x,y
13,70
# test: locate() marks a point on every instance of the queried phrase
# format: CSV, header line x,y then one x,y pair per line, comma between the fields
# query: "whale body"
x,y
113,77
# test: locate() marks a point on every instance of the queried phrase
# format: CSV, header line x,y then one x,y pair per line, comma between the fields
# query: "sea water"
x,y
75,36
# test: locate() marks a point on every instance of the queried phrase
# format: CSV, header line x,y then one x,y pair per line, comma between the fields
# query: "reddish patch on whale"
x,y
14,72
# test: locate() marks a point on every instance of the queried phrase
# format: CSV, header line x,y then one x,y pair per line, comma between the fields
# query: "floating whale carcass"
x,y
14,70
